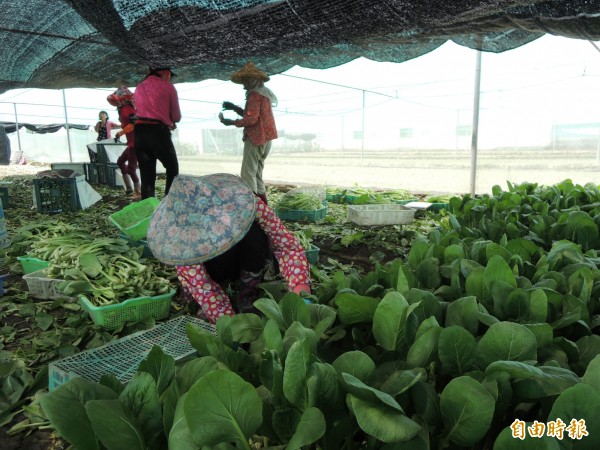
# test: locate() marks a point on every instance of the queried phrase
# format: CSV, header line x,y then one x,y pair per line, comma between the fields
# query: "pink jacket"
x,y
157,99
109,126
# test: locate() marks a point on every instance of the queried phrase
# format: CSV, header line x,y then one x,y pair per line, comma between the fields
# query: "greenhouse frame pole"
x,y
17,128
475,131
362,145
67,125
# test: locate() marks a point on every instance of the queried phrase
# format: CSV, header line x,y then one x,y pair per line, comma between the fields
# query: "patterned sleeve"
x,y
208,294
288,251
251,112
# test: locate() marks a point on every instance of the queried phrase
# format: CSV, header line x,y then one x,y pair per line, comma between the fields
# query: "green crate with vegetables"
x,y
334,194
301,206
113,316
311,250
133,220
312,254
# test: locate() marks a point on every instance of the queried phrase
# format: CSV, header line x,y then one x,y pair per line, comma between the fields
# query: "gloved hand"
x,y
232,107
225,121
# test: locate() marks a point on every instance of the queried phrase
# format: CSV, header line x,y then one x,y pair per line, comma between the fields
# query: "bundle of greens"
x,y
106,270
299,202
25,238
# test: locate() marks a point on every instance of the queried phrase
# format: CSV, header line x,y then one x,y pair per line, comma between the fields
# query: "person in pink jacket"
x,y
104,126
215,230
157,106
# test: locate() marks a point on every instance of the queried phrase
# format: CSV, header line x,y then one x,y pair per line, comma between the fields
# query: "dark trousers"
x,y
152,143
250,255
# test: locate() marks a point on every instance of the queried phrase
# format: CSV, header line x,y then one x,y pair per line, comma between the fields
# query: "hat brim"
x,y
239,78
159,69
201,218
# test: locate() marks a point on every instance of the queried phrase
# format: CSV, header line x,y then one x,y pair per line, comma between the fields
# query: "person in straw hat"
x,y
215,230
258,123
122,98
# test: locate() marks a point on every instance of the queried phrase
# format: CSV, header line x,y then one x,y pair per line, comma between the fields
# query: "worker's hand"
x,y
302,290
225,121
228,106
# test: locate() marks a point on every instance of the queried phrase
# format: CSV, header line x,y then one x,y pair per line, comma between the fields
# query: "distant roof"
x,y
106,43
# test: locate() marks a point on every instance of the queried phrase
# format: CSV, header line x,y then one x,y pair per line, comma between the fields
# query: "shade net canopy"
x,y
106,43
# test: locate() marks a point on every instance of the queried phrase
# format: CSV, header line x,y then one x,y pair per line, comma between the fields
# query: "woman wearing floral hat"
x,y
258,123
122,98
214,229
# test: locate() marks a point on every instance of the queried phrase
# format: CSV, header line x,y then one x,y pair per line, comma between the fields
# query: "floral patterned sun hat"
x,y
200,218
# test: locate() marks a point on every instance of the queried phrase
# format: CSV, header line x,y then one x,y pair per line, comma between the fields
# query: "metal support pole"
x,y
342,134
67,125
17,129
598,147
475,131
362,146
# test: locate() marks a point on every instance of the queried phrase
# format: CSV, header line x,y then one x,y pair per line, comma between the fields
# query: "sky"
x,y
552,80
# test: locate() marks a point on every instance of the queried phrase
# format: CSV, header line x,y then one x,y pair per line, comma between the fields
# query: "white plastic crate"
x,y
122,357
380,214
42,287
317,191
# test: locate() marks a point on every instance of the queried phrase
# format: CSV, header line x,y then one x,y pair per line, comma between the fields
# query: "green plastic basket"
x,y
334,198
298,215
437,207
312,254
133,220
123,356
32,264
132,310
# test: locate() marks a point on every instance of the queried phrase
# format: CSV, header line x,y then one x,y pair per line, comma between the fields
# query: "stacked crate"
x,y
100,170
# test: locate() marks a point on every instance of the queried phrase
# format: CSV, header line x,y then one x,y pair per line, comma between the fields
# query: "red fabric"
x,y
156,98
291,257
258,121
124,112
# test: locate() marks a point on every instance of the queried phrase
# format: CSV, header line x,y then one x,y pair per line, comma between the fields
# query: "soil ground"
x,y
423,171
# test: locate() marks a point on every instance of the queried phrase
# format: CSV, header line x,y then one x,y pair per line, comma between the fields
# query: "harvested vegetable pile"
x,y
299,202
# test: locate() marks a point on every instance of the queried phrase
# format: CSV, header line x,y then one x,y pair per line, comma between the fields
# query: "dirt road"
x,y
420,172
